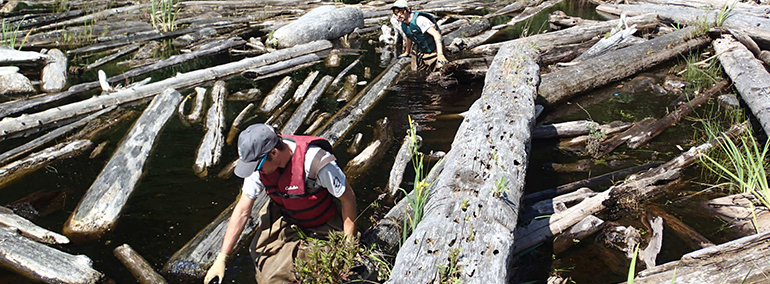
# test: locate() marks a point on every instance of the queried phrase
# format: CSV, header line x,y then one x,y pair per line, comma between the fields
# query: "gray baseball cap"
x,y
253,144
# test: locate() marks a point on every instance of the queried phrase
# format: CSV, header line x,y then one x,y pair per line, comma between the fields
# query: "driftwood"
x,y
555,205
460,38
10,56
39,160
751,79
43,263
39,203
559,86
30,230
564,129
608,145
345,71
559,20
355,144
399,165
341,122
586,227
307,104
320,120
655,243
13,125
137,265
101,205
326,22
113,55
373,153
14,83
210,149
301,91
54,74
94,16
530,12
348,89
274,98
282,68
235,128
616,41
196,113
739,261
691,237
485,171
248,95
739,212
333,60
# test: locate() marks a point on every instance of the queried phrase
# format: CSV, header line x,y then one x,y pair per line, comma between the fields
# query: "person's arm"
x,y
235,226
439,47
349,212
407,47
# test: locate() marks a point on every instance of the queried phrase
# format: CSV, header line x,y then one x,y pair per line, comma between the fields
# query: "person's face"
x,y
270,164
401,14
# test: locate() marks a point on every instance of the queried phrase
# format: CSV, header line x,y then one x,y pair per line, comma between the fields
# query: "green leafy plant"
x,y
632,266
419,198
450,274
500,187
163,15
723,14
328,261
10,34
61,6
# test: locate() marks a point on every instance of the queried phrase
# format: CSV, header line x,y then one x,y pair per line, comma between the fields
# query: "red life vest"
x,y
299,200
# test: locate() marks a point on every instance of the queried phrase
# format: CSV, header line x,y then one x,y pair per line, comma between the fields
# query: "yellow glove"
x,y
405,54
441,60
217,269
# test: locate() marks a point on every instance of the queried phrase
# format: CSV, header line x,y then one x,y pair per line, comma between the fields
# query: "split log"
x,y
10,56
301,91
138,266
42,263
691,237
586,227
751,79
345,118
320,120
399,165
274,98
326,22
740,213
355,144
307,104
101,205
655,243
14,83
210,149
373,153
485,171
9,125
561,85
39,160
348,90
29,229
112,56
54,74
739,261
235,128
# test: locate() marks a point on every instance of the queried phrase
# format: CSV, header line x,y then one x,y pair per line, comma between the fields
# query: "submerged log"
x,y
403,157
373,153
326,22
235,128
14,83
29,229
210,149
494,138
304,108
43,263
650,253
54,74
138,266
740,213
751,79
344,72
693,239
586,227
100,207
39,160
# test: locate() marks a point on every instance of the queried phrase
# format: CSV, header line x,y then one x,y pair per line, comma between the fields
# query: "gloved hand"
x,y
441,60
405,54
217,269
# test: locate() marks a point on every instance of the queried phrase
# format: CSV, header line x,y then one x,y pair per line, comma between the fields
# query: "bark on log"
x,y
42,263
235,128
325,22
101,205
274,98
751,79
373,153
29,229
739,261
304,108
561,85
54,74
39,160
301,91
586,227
341,122
13,125
399,165
210,149
495,140
14,83
142,271
691,237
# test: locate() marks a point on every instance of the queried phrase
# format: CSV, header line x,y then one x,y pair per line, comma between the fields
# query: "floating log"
x,y
326,22
14,83
740,213
559,86
13,125
235,128
274,98
317,123
112,56
39,203
54,74
373,153
101,205
751,79
485,171
739,261
608,145
307,104
210,149
341,122
39,160
348,90
42,263
142,271
399,165
345,71
301,91
564,129
30,230
94,16
586,227
693,239
10,56
355,144
281,68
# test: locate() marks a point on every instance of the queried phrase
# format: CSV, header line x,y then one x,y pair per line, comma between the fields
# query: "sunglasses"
x,y
399,11
260,162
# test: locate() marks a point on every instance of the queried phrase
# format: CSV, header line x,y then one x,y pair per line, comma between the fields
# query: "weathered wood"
x,y
346,117
739,261
112,56
54,74
304,108
235,128
564,129
616,41
29,229
94,16
39,203
475,28
320,120
555,205
561,85
344,72
301,91
765,57
740,213
373,153
750,78
247,95
530,12
210,149
485,171
14,83
608,145
348,90
333,60
100,207
691,237
355,143
10,56
326,22
39,160
399,165
560,20
282,68
13,125
655,243
586,227
42,263
274,98
142,271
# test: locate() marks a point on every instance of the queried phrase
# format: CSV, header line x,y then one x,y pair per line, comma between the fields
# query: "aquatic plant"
x,y
10,34
419,198
632,266
163,15
450,274
328,261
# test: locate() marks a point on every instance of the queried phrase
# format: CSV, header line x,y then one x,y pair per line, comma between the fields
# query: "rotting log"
x,y
274,98
326,22
142,271
43,263
39,160
100,207
373,153
750,78
740,213
739,261
317,123
692,238
304,108
14,125
29,229
210,149
14,83
235,128
399,165
586,227
54,74
472,206
346,117
608,145
561,85
301,91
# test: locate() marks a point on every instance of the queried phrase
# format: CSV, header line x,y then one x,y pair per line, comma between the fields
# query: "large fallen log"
x,y
751,79
43,263
137,265
373,153
304,108
274,98
559,86
326,22
39,160
100,207
210,149
14,125
472,208
29,229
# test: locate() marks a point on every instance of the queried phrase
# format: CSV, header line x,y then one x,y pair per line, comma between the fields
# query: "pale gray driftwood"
x,y
112,56
39,160
751,79
399,165
42,263
693,239
197,109
9,56
142,271
14,83
94,16
235,128
650,253
530,12
616,41
740,213
274,98
304,108
100,207
210,149
304,87
29,229
373,153
564,129
54,74
344,72
326,22
473,205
